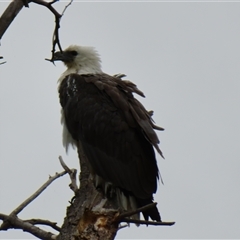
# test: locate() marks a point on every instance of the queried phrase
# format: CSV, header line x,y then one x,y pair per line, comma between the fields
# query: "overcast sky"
x,y
184,56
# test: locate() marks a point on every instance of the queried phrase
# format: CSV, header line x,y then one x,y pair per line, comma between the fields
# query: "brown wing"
x,y
115,130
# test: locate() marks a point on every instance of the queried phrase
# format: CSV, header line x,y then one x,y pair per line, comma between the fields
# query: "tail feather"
x,y
153,212
126,200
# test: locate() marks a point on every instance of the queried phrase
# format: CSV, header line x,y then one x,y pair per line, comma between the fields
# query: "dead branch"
x,y
48,5
16,5
124,217
12,221
128,220
17,223
37,193
44,222
72,174
123,226
66,7
55,38
9,14
6,224
58,16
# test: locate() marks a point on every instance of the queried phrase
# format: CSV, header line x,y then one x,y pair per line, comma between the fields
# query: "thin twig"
x,y
58,16
55,38
16,5
72,174
5,224
37,193
128,220
123,226
66,7
44,222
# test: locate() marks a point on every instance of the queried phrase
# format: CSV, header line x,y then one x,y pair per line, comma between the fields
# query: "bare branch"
x,y
72,174
55,38
9,14
37,193
7,224
44,222
58,16
16,5
124,217
128,220
17,223
2,62
49,6
123,226
64,10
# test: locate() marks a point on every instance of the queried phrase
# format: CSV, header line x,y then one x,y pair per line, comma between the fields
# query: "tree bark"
x,y
91,215
9,14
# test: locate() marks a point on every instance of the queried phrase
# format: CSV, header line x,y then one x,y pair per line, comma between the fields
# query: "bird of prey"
x,y
116,132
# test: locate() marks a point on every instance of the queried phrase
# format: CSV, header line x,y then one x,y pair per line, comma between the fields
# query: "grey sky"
x,y
185,57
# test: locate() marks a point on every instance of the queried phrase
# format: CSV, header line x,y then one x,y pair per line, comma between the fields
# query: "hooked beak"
x,y
65,57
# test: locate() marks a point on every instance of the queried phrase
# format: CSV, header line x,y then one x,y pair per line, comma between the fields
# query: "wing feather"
x,y
115,129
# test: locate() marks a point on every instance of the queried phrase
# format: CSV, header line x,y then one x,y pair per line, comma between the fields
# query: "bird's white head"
x,y
80,59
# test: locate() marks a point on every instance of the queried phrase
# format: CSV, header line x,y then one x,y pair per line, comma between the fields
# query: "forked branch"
x,y
12,220
37,193
16,5
17,223
72,174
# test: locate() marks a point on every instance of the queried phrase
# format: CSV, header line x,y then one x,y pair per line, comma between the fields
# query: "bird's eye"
x,y
74,53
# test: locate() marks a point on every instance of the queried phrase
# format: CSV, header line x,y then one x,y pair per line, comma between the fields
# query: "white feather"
x,y
67,139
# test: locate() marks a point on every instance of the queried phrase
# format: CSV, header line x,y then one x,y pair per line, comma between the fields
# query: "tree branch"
x,y
9,14
124,217
128,220
16,5
58,16
12,221
44,222
72,174
49,6
15,222
7,224
37,193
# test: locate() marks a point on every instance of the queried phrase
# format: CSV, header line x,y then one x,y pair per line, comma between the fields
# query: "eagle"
x,y
116,132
